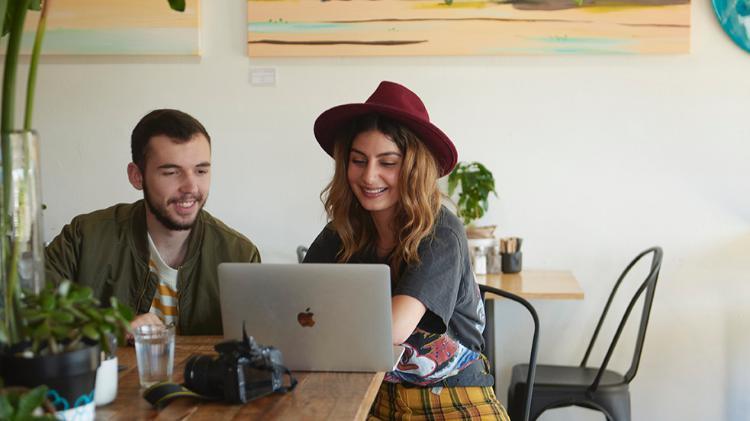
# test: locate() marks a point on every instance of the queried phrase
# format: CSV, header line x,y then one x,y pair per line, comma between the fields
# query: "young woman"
x,y
384,207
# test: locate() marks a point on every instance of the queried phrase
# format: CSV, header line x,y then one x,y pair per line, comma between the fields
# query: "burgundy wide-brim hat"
x,y
399,104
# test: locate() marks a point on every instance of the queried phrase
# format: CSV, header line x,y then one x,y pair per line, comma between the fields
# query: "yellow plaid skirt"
x,y
396,402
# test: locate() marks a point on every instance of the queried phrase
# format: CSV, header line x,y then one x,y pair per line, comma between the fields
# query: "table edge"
x,y
372,390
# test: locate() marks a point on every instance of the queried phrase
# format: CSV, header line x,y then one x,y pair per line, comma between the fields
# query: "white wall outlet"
x,y
264,76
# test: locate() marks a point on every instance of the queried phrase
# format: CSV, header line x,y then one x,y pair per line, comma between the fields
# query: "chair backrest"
x,y
484,289
649,286
301,252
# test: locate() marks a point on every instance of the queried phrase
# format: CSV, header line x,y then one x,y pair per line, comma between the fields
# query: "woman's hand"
x,y
406,313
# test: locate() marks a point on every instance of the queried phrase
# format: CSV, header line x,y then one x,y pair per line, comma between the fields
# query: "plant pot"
x,y
70,377
486,231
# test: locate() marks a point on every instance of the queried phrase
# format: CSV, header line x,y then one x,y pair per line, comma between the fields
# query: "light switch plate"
x,y
263,76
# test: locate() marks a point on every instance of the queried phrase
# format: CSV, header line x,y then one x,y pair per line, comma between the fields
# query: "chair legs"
x,y
616,407
515,403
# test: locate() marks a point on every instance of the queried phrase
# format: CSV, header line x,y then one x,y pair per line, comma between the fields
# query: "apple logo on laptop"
x,y
305,318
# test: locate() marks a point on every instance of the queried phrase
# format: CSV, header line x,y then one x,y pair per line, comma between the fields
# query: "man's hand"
x,y
142,320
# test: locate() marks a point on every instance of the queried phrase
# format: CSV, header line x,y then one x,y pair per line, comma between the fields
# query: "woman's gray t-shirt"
x,y
448,338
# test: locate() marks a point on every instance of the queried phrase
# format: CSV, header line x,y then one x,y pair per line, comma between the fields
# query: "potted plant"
x,y
63,329
42,330
476,183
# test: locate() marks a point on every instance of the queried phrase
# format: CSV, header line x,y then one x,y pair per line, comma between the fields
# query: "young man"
x,y
158,255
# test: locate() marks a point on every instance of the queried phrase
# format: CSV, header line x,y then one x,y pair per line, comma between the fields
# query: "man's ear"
x,y
135,176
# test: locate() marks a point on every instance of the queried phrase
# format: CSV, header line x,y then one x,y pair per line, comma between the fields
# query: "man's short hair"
x,y
175,124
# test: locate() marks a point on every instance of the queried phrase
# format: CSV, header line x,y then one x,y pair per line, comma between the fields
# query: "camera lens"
x,y
204,375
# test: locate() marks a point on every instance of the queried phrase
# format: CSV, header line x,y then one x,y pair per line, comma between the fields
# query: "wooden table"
x,y
324,396
536,284
531,285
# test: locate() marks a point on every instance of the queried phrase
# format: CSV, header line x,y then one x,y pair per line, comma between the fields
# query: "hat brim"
x,y
331,121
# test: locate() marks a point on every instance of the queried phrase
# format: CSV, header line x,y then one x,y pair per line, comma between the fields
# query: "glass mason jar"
x,y
22,199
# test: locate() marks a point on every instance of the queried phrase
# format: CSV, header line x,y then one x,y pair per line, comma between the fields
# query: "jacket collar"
x,y
140,240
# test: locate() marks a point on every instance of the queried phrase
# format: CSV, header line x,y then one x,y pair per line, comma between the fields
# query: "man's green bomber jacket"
x,y
107,250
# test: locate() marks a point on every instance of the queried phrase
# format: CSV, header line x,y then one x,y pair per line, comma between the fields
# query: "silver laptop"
x,y
323,317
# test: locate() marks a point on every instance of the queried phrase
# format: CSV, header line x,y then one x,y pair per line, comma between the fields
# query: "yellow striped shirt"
x,y
164,304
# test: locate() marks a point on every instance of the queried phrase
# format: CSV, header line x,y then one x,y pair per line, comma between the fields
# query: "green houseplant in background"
x,y
476,183
39,326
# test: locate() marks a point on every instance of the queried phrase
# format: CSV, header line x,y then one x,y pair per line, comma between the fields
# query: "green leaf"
x,y
30,401
452,182
80,294
3,10
76,296
62,317
89,331
178,5
48,302
121,328
124,311
33,316
77,313
10,11
87,293
6,409
41,332
13,399
61,331
94,314
35,5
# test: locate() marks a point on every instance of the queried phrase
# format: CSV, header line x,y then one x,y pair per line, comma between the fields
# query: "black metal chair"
x,y
589,387
484,289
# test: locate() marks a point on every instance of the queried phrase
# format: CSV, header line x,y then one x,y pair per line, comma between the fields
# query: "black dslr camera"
x,y
243,371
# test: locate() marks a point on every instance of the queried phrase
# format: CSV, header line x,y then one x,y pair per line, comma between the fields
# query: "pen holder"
x,y
511,262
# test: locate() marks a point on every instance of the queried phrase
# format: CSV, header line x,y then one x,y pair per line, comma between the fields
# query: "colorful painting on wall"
x,y
734,17
466,27
136,27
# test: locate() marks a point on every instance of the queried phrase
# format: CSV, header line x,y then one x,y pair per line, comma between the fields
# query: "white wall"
x,y
596,158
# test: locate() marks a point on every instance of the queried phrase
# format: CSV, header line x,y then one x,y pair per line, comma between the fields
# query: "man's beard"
x,y
163,217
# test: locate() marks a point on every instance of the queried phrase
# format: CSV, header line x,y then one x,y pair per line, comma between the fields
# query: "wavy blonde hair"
x,y
418,205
